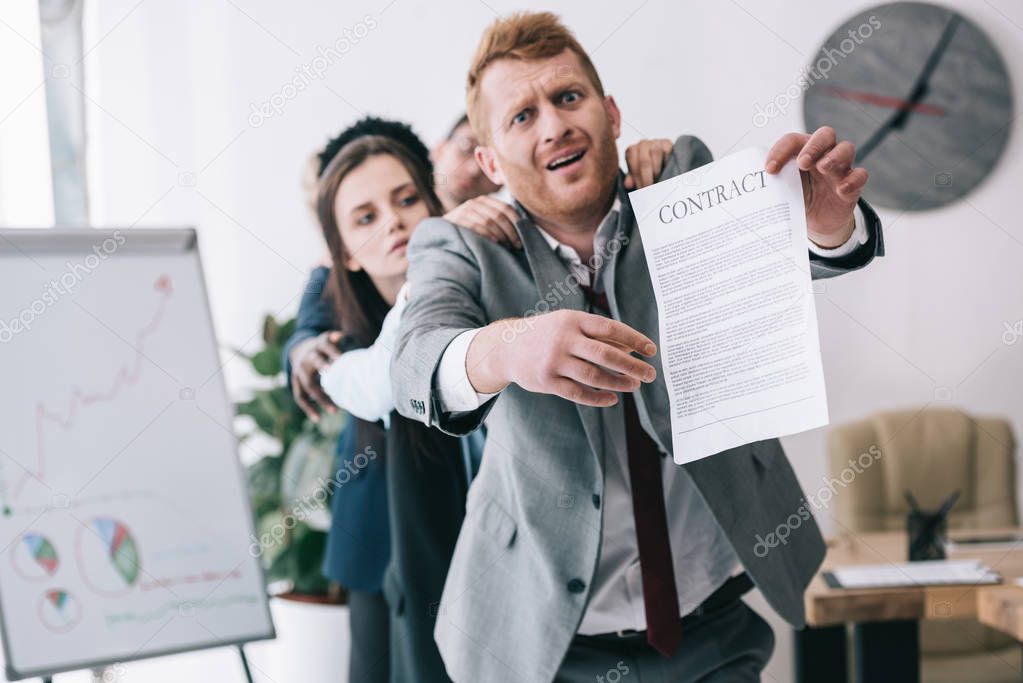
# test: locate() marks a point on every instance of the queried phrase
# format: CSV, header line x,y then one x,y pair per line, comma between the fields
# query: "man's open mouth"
x,y
566,160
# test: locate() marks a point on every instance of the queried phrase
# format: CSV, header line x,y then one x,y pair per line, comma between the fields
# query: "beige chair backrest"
x,y
932,452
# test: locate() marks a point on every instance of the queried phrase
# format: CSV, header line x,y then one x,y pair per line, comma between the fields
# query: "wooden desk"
x,y
1001,608
886,620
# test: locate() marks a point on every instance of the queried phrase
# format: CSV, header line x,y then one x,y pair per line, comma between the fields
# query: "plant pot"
x,y
313,639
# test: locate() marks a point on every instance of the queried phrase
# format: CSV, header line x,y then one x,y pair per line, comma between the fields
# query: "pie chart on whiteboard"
x,y
59,610
108,556
34,557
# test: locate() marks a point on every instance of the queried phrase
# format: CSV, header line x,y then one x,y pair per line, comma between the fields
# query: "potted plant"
x,y
289,491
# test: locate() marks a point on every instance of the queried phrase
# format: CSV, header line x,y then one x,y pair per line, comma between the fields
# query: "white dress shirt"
x,y
359,380
701,553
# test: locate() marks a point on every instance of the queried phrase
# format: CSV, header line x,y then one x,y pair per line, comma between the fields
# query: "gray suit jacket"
x,y
519,580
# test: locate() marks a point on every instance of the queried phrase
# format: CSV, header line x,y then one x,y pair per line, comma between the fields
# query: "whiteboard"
x,y
125,528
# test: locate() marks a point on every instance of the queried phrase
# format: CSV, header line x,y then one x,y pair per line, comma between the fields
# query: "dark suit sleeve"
x,y
823,267
314,315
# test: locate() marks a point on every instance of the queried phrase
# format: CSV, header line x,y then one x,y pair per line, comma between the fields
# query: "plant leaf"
x,y
270,331
267,362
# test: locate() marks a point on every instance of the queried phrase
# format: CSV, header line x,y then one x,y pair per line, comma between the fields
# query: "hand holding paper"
x,y
726,247
831,185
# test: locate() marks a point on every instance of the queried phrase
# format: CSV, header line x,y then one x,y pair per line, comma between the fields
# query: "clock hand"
x,y
920,87
898,119
884,101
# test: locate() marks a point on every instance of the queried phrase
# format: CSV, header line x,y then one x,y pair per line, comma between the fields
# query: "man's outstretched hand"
x,y
831,184
578,356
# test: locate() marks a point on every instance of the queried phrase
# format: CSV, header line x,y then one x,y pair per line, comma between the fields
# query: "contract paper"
x,y
726,246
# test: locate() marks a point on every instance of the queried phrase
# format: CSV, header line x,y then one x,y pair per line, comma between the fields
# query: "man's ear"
x,y
613,113
488,163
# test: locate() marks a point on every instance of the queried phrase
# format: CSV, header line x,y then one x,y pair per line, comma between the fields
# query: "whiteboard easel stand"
x,y
245,663
241,654
95,671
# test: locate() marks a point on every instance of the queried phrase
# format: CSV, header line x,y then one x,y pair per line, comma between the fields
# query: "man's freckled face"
x,y
551,133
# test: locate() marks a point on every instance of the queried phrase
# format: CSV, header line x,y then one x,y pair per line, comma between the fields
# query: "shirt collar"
x,y
600,238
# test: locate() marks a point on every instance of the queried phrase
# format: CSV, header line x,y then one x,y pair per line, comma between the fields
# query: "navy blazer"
x,y
359,541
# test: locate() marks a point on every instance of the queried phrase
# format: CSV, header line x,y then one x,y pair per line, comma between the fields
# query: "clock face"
x,y
924,96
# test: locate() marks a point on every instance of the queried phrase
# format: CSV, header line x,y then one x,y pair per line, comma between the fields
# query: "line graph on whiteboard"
x,y
47,418
105,552
124,515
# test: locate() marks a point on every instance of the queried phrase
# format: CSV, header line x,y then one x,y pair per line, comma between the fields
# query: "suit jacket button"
x,y
596,501
576,586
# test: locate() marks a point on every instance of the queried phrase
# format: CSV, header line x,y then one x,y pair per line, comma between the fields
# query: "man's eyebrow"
x,y
552,88
517,104
562,85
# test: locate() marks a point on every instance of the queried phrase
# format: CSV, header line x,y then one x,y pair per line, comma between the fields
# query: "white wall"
x,y
172,85
26,197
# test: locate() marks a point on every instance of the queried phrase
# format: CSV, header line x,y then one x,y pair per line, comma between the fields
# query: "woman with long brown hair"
x,y
371,197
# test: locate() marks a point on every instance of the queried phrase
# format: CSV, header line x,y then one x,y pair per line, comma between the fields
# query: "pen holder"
x,y
927,532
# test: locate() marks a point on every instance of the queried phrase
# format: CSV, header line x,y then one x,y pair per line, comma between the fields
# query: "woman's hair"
x,y
372,125
358,305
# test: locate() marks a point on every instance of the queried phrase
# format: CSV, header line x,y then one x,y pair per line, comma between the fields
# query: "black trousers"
x,y
426,496
730,645
369,618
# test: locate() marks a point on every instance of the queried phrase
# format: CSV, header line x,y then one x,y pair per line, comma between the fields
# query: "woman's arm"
x,y
359,381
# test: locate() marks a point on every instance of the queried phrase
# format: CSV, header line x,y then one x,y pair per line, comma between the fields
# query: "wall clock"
x,y
922,93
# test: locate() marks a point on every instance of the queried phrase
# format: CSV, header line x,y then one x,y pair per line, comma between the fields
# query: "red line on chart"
x,y
127,376
205,577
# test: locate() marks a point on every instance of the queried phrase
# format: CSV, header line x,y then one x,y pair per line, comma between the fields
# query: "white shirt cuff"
x,y
452,384
859,236
358,381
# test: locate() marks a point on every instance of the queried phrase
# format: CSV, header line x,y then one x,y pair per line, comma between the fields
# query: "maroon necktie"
x,y
660,596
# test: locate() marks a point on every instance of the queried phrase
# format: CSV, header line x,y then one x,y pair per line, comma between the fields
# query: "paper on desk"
x,y
726,248
926,573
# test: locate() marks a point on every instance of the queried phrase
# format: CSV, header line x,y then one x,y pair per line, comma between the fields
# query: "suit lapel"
x,y
557,290
632,302
551,275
